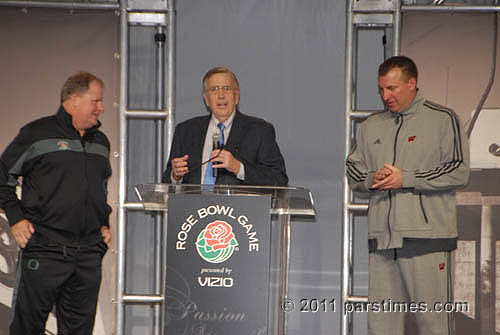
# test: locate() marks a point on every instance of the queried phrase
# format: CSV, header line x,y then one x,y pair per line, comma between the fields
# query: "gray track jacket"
x,y
427,142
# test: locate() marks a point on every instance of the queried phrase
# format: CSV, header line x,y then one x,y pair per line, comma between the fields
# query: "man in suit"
x,y
249,154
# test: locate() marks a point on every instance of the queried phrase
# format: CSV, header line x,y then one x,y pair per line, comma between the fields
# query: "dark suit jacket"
x,y
252,141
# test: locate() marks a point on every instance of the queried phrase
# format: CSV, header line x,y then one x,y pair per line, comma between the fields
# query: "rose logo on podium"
x,y
216,242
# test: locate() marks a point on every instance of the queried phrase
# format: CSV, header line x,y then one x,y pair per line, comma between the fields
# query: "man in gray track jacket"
x,y
410,160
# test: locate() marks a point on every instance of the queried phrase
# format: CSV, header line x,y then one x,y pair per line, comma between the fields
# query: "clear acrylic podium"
x,y
285,203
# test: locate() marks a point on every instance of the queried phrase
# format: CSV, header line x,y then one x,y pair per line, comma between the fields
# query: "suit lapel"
x,y
199,142
237,132
233,144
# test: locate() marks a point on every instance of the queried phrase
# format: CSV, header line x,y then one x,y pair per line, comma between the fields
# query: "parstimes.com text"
x,y
389,306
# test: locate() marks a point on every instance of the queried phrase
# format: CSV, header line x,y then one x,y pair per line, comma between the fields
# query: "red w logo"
x,y
412,138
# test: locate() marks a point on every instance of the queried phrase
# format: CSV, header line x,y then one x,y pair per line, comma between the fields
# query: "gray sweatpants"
x,y
420,285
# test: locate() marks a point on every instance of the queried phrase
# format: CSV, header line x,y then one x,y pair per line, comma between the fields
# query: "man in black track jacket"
x,y
61,221
410,160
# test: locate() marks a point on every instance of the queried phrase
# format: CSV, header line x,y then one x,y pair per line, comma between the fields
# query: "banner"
x,y
218,257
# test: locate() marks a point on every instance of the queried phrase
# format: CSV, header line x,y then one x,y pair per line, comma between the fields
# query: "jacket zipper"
x,y
390,192
422,207
85,167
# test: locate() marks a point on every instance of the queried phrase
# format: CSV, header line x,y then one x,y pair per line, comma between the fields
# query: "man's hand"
x,y
380,175
106,235
393,181
22,231
180,167
226,160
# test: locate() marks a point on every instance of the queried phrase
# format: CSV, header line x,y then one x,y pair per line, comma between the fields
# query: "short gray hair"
x,y
78,83
217,70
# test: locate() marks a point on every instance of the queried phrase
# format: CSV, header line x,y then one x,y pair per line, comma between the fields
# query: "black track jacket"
x,y
64,180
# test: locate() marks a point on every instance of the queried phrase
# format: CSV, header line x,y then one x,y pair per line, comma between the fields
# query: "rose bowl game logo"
x,y
216,242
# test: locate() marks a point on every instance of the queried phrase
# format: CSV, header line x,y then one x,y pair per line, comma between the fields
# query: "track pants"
x,y
420,285
50,274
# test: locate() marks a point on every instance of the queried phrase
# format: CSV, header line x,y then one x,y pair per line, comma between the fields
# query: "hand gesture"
x,y
393,181
180,167
226,160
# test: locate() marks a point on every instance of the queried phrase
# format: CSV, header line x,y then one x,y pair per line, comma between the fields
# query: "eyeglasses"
x,y
215,89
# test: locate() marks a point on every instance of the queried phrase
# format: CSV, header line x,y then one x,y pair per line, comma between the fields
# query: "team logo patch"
x,y
33,264
62,145
412,138
216,242
441,266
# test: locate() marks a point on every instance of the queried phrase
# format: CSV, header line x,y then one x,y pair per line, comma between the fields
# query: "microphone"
x,y
215,145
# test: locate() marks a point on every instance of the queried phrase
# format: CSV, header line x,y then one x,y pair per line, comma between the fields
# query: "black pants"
x,y
51,274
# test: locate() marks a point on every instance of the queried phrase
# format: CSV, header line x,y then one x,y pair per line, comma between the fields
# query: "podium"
x,y
226,254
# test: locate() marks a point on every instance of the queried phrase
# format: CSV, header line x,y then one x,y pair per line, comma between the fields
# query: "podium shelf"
x,y
284,200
